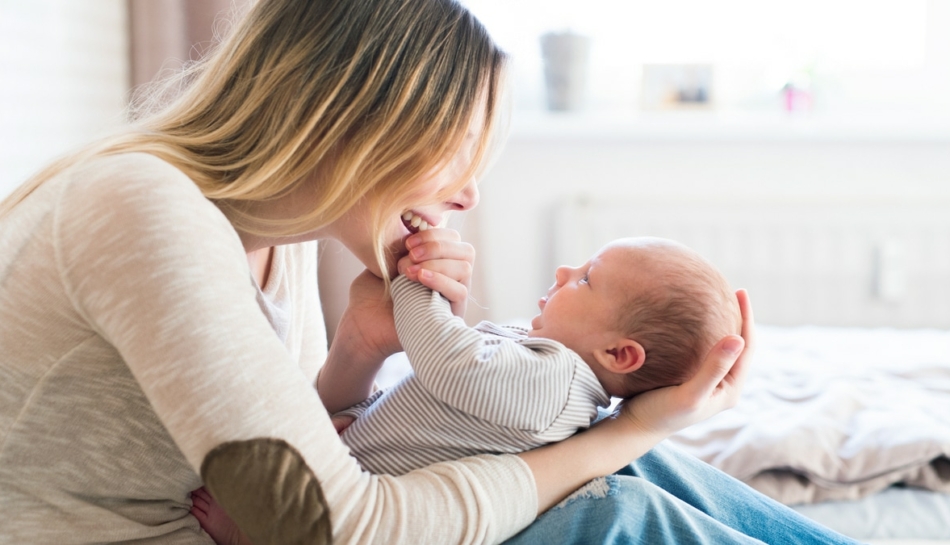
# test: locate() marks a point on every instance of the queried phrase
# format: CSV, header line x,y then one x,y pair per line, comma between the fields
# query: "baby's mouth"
x,y
414,222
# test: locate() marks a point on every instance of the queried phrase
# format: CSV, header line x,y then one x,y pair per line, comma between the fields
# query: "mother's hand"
x,y
439,260
365,337
715,387
367,320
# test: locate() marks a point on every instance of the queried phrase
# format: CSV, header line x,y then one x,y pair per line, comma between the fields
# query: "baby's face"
x,y
581,309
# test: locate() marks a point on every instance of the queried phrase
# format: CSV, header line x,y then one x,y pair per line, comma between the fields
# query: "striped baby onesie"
x,y
487,389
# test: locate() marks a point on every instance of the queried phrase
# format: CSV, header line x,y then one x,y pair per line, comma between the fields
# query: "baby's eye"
x,y
584,279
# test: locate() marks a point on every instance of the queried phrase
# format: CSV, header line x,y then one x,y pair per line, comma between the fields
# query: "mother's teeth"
x,y
414,220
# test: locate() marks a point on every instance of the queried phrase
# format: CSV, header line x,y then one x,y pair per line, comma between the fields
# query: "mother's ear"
x,y
624,356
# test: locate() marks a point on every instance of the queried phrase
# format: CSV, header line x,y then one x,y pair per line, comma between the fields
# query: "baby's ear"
x,y
625,356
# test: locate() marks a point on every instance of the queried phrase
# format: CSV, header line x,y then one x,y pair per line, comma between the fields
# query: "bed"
x,y
838,422
850,426
846,419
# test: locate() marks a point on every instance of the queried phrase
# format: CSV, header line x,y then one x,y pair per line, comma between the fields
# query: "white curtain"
x,y
65,72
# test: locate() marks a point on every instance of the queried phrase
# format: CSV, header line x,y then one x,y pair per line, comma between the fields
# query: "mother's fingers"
x,y
748,320
740,369
714,378
673,408
726,365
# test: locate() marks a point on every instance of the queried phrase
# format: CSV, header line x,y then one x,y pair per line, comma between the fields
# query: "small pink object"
x,y
796,100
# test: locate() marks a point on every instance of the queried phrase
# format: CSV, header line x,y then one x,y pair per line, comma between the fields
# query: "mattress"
x,y
897,514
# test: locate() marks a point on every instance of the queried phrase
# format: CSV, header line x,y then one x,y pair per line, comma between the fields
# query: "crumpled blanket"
x,y
836,414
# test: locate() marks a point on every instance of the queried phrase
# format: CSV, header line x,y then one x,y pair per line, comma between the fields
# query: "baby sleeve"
x,y
485,376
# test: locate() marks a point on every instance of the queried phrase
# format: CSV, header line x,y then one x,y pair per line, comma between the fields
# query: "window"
x,y
850,54
64,67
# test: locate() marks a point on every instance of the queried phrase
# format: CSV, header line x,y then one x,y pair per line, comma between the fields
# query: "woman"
x,y
138,360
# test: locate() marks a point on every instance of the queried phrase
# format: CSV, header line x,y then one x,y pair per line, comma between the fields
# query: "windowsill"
x,y
728,127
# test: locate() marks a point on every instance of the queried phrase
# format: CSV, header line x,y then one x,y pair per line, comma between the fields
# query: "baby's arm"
x,y
486,376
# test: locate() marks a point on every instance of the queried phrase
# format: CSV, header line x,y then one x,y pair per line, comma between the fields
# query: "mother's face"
x,y
423,210
422,207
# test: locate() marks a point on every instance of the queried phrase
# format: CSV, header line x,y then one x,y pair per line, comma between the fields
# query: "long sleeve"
x,y
159,273
486,376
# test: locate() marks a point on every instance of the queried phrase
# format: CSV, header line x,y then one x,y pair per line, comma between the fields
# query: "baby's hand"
x,y
215,521
440,261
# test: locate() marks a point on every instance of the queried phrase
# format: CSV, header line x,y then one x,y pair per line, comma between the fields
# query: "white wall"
x,y
858,53
64,65
881,130
64,68
541,167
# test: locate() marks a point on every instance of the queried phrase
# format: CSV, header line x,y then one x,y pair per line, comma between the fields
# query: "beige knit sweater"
x,y
132,344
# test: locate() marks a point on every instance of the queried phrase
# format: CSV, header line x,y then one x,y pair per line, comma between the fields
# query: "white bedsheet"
x,y
849,361
836,414
895,513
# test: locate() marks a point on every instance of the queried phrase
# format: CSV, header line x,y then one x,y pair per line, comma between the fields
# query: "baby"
x,y
640,315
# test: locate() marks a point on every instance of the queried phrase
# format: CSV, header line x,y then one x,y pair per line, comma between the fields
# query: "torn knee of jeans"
x,y
599,488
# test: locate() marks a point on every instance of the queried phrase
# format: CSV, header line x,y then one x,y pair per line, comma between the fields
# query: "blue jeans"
x,y
670,497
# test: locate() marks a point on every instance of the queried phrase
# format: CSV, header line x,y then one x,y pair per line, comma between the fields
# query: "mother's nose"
x,y
466,198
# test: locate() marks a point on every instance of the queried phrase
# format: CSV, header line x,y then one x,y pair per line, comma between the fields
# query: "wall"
x,y
546,162
65,73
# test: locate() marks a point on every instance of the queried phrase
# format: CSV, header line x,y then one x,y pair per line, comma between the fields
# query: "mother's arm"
x,y
366,336
645,420
181,312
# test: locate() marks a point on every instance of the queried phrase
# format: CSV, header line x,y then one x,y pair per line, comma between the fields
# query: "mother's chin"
x,y
361,244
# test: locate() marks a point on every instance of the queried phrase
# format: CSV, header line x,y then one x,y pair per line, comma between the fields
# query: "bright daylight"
x,y
532,272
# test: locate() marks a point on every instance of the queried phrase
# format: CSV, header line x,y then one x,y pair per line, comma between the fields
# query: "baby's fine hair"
x,y
688,310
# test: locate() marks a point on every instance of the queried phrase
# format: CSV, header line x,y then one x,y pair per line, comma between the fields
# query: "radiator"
x,y
829,263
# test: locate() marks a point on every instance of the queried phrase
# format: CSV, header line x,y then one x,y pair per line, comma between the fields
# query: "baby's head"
x,y
643,313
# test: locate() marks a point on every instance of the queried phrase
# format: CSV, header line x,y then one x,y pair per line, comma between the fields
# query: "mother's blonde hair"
x,y
373,94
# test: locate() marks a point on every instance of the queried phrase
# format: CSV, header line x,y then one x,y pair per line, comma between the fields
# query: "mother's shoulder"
x,y
131,169
139,193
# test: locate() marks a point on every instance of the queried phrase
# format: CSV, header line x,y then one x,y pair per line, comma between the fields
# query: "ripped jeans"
x,y
669,497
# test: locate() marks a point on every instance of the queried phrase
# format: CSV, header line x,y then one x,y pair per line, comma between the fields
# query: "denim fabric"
x,y
670,497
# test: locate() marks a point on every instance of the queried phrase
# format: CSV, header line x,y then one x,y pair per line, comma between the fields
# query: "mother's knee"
x,y
617,494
